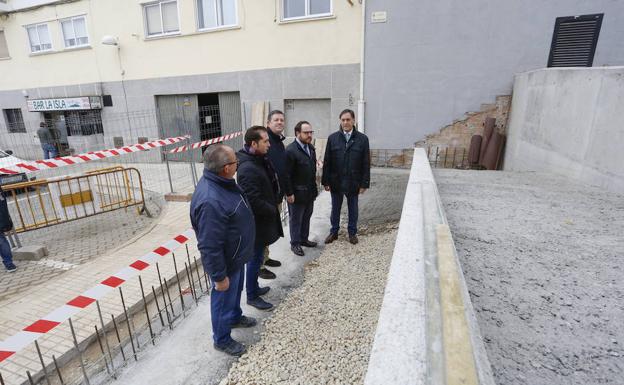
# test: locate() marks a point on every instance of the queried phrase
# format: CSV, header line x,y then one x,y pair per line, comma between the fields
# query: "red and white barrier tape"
x,y
38,165
206,142
32,332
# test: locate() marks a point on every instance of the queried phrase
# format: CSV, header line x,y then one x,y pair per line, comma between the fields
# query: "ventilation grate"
x,y
574,41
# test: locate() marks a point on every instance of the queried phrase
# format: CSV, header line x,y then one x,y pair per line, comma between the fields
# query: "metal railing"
x,y
42,203
447,157
397,158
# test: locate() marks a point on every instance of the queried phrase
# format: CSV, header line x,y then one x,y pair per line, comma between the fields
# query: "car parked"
x,y
7,160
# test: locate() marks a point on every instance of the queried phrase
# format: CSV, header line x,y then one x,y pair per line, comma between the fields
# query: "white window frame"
x,y
307,15
30,45
8,54
159,3
84,17
220,25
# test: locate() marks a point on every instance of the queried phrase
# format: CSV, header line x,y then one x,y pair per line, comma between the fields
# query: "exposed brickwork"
x,y
458,133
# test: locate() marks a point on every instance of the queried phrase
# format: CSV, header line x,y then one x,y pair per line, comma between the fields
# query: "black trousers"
x,y
299,221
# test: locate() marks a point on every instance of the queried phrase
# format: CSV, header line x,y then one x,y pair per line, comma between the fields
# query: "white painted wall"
x,y
260,41
571,122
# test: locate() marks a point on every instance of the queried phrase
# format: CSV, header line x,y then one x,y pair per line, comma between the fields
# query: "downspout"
x,y
361,101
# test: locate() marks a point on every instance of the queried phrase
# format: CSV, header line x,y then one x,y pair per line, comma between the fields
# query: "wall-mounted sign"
x,y
60,104
379,17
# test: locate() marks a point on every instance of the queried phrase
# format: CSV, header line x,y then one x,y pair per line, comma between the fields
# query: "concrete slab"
x,y
29,253
541,254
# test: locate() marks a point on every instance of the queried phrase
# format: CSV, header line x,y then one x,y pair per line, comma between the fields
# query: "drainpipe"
x,y
361,101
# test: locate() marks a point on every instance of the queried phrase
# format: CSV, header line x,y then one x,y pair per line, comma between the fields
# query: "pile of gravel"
x,y
323,331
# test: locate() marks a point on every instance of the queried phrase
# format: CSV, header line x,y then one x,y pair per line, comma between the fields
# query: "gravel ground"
x,y
323,331
542,256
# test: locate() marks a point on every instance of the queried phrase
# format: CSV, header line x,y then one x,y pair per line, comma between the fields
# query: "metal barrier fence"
x,y
42,203
81,131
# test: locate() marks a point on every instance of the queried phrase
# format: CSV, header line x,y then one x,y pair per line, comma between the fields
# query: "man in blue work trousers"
x,y
6,224
225,232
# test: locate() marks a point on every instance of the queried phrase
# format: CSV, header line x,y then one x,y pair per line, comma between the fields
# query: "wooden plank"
x,y
458,349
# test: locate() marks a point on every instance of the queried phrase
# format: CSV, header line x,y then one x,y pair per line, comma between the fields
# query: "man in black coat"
x,y
6,224
277,156
257,177
300,186
346,172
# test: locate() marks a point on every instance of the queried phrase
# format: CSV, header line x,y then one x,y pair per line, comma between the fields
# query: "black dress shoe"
x,y
309,244
272,263
353,239
330,238
263,290
266,274
245,322
297,250
234,348
260,304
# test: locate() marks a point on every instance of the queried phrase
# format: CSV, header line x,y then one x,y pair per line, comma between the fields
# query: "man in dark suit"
x,y
346,172
300,186
277,156
258,179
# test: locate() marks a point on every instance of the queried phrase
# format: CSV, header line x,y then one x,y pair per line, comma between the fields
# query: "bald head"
x,y
217,156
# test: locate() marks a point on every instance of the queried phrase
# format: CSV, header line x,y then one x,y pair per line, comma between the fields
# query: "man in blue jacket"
x,y
225,231
6,224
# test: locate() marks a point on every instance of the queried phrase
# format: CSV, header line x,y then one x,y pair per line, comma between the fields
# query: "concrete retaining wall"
x,y
571,122
427,331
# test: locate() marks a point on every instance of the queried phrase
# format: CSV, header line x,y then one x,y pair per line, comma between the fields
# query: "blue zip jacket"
x,y
224,225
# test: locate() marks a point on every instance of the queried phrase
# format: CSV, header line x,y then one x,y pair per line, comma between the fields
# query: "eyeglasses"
x,y
235,162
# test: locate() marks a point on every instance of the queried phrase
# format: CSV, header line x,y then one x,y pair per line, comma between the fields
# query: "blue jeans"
x,y
5,251
225,308
49,151
352,205
253,270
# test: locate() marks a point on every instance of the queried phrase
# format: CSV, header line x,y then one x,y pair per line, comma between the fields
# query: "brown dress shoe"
x,y
353,239
330,238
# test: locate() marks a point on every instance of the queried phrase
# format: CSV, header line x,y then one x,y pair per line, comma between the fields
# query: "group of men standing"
x,y
236,220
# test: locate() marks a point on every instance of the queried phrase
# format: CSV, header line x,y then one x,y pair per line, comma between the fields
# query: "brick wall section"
x,y
458,133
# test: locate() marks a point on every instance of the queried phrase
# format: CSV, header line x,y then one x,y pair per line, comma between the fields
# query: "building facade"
x,y
169,67
106,72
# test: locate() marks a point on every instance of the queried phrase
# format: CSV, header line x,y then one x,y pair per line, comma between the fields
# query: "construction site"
x,y
490,233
